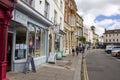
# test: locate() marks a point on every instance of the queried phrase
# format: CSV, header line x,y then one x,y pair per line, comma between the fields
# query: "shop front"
x,y
26,37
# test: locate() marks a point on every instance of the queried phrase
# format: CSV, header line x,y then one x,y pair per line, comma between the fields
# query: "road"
x,y
101,66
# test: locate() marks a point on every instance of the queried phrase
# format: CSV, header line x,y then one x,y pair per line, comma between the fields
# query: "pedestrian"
x,y
73,51
77,50
83,49
80,49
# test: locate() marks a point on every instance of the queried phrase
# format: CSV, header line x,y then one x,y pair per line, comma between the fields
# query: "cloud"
x,y
104,23
116,25
89,10
100,30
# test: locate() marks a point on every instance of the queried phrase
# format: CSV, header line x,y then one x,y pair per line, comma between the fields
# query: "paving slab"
x,y
69,68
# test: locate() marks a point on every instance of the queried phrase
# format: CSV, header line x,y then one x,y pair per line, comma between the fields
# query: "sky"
x,y
103,14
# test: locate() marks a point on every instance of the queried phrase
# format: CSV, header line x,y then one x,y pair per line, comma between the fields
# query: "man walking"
x,y
77,50
73,51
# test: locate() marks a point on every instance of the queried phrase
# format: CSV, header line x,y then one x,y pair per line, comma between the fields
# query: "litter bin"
x,y
59,55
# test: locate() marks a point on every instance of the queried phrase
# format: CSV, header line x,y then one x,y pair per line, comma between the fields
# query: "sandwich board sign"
x,y
52,57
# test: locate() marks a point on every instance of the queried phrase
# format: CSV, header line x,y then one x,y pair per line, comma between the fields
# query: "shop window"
x,y
57,42
36,41
20,49
32,40
42,49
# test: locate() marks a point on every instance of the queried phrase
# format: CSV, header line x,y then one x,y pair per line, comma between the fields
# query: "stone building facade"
x,y
112,37
70,10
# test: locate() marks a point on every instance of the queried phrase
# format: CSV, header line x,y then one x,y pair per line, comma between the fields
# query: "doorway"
x,y
9,51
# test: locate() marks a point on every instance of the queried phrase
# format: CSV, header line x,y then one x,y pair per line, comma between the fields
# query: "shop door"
x,y
9,51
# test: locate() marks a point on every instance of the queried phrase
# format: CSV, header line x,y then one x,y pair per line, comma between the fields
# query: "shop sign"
x,y
20,17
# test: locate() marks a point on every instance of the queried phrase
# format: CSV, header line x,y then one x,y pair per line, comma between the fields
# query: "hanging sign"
x,y
56,29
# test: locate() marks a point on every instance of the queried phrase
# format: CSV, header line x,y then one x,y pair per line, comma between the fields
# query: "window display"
x,y
20,50
32,40
57,42
36,41
42,42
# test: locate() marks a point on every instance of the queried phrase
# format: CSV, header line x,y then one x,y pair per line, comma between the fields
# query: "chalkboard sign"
x,y
28,61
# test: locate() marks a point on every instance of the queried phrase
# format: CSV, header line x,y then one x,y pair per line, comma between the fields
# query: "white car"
x,y
109,48
115,50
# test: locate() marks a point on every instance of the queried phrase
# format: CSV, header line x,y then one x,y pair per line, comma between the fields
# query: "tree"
x,y
82,39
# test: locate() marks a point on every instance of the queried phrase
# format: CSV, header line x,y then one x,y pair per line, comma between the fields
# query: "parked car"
x,y
118,54
115,50
109,49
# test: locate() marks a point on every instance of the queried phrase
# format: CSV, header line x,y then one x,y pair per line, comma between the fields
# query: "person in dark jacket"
x,y
83,49
73,51
77,50
80,49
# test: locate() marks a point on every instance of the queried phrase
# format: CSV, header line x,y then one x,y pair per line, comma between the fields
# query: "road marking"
x,y
85,70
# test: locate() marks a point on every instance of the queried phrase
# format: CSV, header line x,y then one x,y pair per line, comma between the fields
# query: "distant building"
x,y
112,36
78,31
95,36
90,36
85,33
70,11
101,40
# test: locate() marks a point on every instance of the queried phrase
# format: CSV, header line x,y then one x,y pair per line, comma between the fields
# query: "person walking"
x,y
77,50
80,49
83,49
73,51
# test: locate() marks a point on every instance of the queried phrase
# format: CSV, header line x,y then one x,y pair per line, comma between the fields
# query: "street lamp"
x,y
6,8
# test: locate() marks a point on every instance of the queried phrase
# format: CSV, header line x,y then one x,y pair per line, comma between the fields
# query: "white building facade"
x,y
28,34
56,33
112,37
85,33
90,36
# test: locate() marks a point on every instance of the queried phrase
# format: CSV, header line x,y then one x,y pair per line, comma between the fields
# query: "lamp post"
x,y
6,8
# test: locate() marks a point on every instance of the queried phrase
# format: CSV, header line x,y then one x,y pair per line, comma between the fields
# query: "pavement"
x,y
69,68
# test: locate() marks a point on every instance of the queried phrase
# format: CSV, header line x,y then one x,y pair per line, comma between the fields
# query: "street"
x,y
101,66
